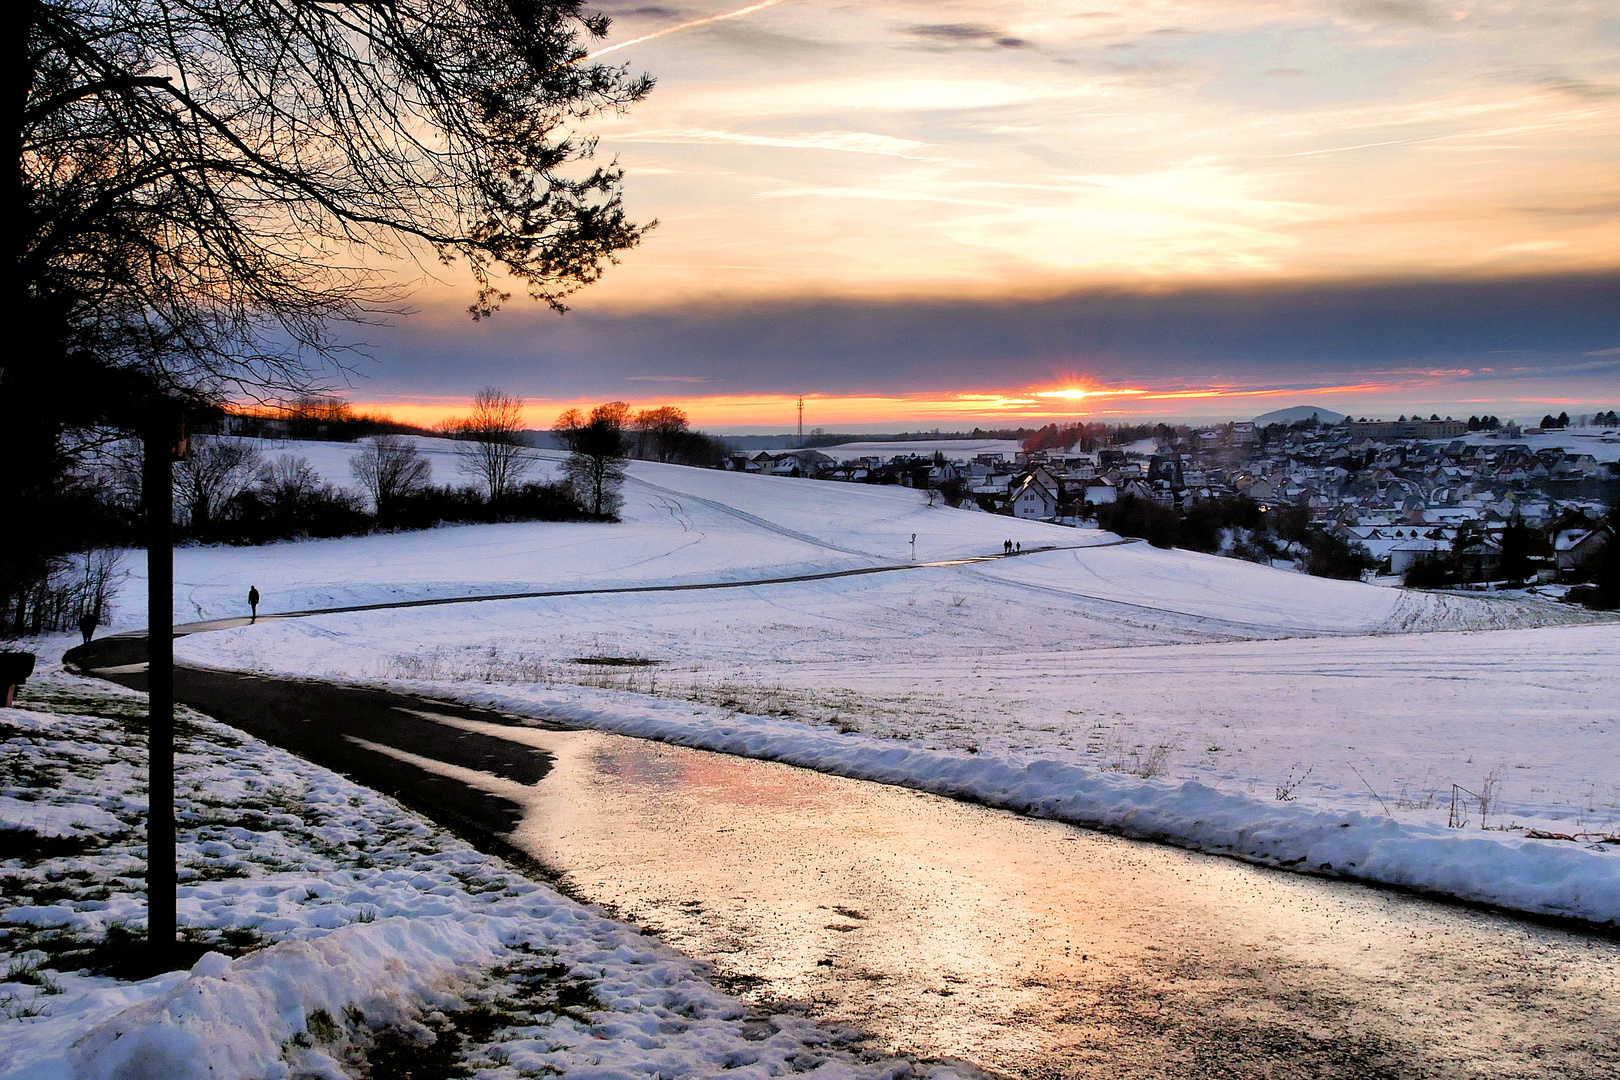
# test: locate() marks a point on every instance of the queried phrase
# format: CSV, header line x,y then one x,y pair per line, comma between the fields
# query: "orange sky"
x,y
1012,409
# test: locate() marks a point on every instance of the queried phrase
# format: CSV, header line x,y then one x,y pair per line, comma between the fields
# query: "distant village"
x,y
1397,493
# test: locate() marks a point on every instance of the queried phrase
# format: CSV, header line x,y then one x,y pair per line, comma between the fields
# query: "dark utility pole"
x,y
164,441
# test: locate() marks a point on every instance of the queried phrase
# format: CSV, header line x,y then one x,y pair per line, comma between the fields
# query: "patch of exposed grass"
x,y
122,952
30,973
28,846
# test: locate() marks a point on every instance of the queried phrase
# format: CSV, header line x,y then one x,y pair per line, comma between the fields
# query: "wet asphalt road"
x,y
319,721
1029,948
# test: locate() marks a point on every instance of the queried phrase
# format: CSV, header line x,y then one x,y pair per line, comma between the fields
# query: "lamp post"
x,y
164,440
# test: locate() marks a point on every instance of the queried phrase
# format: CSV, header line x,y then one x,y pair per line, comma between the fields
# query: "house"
x,y
1574,544
1407,552
1099,490
1033,499
1259,490
1137,489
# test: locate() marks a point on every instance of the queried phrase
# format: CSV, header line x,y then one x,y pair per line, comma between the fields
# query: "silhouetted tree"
x,y
390,469
1515,565
1331,556
658,432
1141,518
597,455
490,444
193,189
215,472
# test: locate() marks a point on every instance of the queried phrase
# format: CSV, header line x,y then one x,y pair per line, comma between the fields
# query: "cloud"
x,y
1335,331
852,142
1582,88
1411,12
967,33
953,31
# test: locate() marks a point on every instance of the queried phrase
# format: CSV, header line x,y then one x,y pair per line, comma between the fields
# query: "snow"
x,y
354,920
953,449
1204,701
1506,870
685,526
1602,443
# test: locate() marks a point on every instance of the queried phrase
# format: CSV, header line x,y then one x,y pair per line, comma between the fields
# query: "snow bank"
x,y
1506,870
233,1018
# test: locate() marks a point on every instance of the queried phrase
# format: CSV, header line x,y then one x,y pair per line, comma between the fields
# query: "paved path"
x,y
615,590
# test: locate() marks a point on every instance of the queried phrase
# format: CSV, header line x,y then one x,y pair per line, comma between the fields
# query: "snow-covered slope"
x,y
1083,657
684,525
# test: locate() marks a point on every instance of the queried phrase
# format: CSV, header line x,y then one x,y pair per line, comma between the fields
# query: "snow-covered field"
x,y
1102,667
686,525
951,448
1600,442
347,935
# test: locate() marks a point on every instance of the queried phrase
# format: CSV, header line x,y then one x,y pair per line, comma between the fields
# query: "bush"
x,y
259,516
430,506
1328,556
1142,518
544,502
1203,522
442,505
1430,572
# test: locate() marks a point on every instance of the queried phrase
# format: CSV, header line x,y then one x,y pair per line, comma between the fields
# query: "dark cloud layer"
x,y
1285,334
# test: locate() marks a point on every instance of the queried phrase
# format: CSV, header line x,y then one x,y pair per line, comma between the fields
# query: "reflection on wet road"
x,y
1042,950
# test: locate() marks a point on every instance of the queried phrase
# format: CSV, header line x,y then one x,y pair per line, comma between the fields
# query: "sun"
x,y
1084,391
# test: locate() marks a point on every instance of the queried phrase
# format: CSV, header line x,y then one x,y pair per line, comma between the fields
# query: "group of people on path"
x,y
1009,547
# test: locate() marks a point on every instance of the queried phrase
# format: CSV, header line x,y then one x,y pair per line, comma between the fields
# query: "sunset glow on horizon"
x,y
728,414
914,212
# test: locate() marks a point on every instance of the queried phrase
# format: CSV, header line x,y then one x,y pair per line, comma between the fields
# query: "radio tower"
x,y
801,421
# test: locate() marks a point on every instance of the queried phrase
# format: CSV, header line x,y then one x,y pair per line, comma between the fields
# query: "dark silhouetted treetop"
x,y
201,184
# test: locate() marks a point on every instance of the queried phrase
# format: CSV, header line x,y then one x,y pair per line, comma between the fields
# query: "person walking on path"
x,y
253,605
87,625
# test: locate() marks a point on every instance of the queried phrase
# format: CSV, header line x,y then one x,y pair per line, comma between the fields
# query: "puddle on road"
x,y
1043,950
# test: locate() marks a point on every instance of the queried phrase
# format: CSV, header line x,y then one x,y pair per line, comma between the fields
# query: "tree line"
x,y
228,490
1240,527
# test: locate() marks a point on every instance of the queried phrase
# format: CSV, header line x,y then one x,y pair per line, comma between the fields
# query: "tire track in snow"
x,y
754,520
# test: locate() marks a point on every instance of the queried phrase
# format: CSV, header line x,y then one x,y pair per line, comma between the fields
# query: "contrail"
x,y
749,10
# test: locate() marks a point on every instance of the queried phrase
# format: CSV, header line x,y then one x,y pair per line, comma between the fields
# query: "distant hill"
x,y
1298,412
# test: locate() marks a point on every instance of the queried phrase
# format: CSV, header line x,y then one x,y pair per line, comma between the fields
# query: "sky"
x,y
950,214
